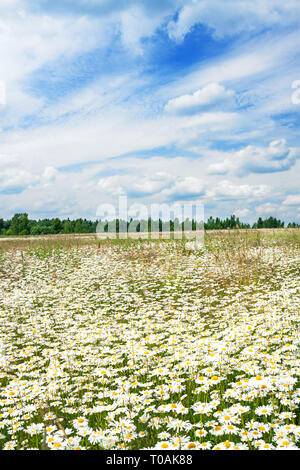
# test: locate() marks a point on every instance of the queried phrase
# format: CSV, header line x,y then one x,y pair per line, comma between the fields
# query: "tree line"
x,y
20,224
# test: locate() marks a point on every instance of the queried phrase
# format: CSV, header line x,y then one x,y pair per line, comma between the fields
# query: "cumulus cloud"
x,y
135,184
165,185
228,189
18,178
49,173
292,200
274,158
173,187
78,193
208,95
188,186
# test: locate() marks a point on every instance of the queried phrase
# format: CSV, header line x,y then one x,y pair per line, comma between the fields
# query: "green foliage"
x,y
219,224
56,225
271,222
20,224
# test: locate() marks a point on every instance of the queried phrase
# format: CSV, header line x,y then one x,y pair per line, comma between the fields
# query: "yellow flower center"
x,y
191,446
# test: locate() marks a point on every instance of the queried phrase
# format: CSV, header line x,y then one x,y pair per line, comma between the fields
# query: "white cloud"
x,y
19,179
233,16
7,160
274,158
76,194
226,188
186,186
49,175
208,95
260,71
102,93
122,112
242,212
173,187
292,200
27,41
30,42
16,178
267,209
107,134
131,19
135,25
135,183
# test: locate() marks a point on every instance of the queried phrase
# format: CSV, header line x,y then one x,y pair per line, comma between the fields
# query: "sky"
x,y
173,101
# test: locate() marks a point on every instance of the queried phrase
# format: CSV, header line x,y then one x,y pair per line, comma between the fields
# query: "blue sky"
x,y
173,101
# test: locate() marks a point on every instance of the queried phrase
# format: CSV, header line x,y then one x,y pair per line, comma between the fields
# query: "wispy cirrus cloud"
x,y
233,16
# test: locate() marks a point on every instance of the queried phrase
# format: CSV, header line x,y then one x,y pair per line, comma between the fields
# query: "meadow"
x,y
140,344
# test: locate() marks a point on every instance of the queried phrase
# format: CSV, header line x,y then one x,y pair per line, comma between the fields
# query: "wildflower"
x,y
264,410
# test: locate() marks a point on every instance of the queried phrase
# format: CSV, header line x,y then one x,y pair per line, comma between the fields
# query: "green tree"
x,y
20,224
68,226
56,225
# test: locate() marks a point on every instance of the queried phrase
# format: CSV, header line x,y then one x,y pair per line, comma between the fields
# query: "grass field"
x,y
128,344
